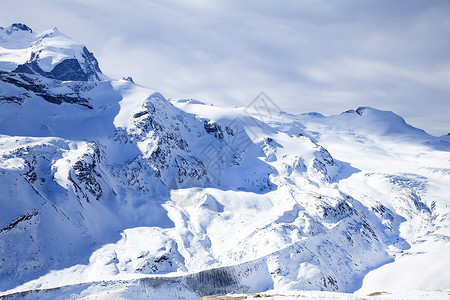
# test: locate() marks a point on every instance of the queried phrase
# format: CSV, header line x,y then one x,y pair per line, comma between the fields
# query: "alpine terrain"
x,y
108,189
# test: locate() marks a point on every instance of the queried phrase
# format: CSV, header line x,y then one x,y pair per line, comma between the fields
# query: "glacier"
x,y
110,189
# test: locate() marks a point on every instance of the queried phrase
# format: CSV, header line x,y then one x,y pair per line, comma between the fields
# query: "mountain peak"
x,y
309,202
50,54
16,27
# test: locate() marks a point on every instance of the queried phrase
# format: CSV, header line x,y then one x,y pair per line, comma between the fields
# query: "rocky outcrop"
x,y
33,84
67,70
16,27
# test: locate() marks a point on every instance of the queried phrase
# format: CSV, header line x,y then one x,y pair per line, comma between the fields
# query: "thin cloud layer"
x,y
326,56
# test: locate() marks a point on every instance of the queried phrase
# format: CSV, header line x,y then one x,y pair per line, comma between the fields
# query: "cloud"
x,y
325,56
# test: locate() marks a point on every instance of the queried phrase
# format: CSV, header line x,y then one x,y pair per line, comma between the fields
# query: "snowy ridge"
x,y
107,185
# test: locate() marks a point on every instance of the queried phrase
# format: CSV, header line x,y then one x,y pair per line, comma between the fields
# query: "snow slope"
x,y
109,187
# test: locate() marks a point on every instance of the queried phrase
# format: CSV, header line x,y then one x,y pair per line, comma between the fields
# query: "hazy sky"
x,y
324,56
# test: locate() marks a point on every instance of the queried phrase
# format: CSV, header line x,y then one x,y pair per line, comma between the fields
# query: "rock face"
x,y
104,180
67,70
70,69
50,54
29,84
16,27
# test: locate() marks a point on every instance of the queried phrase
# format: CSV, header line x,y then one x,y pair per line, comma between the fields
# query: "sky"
x,y
322,56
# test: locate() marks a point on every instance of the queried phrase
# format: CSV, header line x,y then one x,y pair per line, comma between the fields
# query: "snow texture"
x,y
109,189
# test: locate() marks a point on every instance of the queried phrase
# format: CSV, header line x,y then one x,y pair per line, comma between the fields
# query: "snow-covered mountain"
x,y
108,188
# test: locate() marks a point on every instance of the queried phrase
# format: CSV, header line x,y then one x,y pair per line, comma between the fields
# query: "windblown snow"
x,y
110,189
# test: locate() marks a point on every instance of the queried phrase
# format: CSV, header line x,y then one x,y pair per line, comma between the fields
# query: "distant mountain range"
x,y
108,187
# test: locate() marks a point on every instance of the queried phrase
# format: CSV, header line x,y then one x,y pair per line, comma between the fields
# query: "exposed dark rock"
x,y
85,176
320,167
330,281
212,281
140,114
350,111
24,69
213,127
231,132
91,66
18,220
17,27
337,212
33,84
67,70
152,266
14,99
360,110
386,215
31,175
326,156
